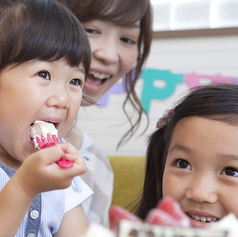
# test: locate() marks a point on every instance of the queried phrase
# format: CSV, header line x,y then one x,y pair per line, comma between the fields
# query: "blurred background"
x,y
195,42
194,14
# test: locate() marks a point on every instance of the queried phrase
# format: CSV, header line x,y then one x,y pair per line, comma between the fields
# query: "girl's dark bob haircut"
x,y
41,30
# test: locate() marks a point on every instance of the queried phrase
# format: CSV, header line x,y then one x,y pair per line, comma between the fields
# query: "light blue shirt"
x,y
47,209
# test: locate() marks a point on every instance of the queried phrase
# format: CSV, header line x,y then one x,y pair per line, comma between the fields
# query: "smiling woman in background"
x,y
120,34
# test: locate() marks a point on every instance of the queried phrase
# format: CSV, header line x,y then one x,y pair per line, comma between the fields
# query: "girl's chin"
x,y
200,224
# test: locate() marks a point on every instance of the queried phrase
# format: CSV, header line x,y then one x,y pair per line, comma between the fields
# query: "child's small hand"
x,y
40,172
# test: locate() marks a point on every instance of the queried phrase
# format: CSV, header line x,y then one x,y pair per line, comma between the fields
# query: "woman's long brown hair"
x,y
123,13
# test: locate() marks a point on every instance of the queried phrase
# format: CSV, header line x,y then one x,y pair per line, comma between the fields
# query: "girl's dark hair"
x,y
124,13
216,102
42,30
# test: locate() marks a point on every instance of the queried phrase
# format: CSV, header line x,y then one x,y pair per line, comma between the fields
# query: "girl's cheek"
x,y
170,185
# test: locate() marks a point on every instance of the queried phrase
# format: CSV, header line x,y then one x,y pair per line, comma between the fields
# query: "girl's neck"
x,y
9,161
75,137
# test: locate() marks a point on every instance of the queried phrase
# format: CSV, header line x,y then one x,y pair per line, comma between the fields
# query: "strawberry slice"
x,y
117,213
172,208
159,217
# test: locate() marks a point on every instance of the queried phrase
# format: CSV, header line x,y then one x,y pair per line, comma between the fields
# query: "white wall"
x,y
213,57
194,14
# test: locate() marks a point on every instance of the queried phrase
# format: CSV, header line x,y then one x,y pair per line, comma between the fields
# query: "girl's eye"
x,y
91,31
182,164
44,74
76,82
128,41
230,171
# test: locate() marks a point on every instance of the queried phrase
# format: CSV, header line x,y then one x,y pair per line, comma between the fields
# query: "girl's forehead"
x,y
199,135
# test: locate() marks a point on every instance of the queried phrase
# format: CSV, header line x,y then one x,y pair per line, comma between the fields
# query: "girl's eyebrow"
x,y
82,70
228,157
223,156
178,147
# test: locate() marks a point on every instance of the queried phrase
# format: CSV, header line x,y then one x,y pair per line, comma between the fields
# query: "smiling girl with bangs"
x,y
192,156
44,60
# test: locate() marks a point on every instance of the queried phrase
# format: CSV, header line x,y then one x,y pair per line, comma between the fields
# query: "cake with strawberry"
x,y
166,220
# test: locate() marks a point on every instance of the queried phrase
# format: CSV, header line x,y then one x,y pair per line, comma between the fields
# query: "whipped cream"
x,y
229,223
41,129
97,230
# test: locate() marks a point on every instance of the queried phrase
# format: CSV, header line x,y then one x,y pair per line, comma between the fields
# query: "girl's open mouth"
x,y
202,218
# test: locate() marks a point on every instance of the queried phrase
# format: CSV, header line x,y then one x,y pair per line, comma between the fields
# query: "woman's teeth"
x,y
202,218
99,75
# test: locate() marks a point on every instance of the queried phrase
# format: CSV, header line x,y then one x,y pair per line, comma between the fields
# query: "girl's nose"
x,y
202,189
107,52
58,99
